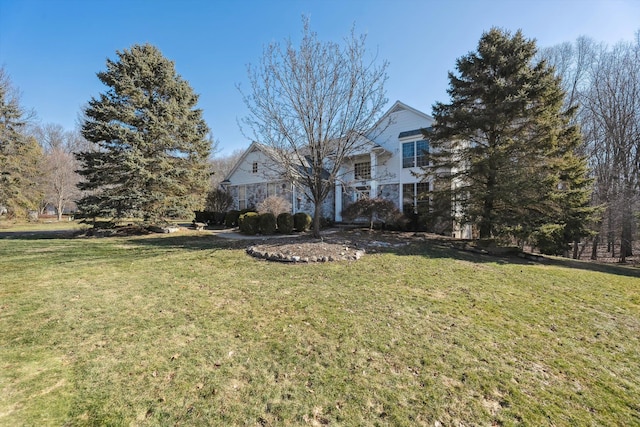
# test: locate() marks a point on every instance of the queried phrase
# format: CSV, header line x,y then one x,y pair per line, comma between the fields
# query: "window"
x,y
242,197
271,189
422,148
362,170
414,154
408,154
415,197
254,167
362,193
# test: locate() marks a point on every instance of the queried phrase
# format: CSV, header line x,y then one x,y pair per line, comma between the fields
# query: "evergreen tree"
x,y
505,139
20,155
151,160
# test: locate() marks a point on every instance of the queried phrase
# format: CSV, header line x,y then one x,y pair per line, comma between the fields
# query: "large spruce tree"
x,y
505,141
21,157
151,160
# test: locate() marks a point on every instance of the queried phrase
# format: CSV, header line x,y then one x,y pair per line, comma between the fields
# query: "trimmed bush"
x,y
200,217
218,218
231,218
248,223
301,221
285,223
267,223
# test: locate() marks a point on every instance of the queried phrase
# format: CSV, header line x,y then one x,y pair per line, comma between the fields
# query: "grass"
x,y
186,330
39,226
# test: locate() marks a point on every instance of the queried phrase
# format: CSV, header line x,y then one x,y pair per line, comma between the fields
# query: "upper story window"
x,y
414,153
362,170
254,167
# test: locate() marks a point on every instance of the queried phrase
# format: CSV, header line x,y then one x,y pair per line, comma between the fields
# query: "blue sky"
x,y
52,49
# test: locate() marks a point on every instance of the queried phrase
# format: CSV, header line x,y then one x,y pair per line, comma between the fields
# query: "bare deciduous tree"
x,y
312,105
606,83
59,175
222,165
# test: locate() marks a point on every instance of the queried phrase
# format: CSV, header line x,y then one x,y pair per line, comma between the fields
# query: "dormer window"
x,y
254,167
362,170
414,154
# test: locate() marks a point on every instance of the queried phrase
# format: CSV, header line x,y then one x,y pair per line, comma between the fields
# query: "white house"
x,y
387,166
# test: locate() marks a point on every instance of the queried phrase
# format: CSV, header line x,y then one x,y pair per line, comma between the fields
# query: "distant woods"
x,y
604,83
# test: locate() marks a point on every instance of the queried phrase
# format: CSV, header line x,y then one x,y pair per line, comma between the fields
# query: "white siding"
x,y
244,171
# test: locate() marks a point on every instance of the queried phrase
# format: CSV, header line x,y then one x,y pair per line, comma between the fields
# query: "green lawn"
x,y
185,329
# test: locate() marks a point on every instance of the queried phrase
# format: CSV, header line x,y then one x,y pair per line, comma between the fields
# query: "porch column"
x,y
373,193
338,202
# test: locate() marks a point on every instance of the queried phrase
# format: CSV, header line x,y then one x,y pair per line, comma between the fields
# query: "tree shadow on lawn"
x,y
37,235
432,248
190,242
435,249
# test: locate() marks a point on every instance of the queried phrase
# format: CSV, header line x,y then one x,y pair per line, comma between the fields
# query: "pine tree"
x,y
20,155
151,161
503,137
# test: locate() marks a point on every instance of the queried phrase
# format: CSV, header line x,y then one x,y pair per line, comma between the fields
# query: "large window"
x,y
422,149
415,197
271,189
414,154
362,170
242,197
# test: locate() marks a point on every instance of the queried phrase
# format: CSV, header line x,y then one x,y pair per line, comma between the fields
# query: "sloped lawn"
x,y
188,330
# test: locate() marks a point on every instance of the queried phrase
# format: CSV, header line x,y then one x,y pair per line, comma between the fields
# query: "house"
x,y
386,165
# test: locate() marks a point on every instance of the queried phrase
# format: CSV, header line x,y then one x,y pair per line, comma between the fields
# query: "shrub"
x,y
200,217
301,221
285,223
248,223
379,209
267,223
326,222
218,200
274,204
231,218
549,240
217,218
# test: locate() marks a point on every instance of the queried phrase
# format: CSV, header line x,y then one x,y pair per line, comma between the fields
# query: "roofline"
x,y
393,107
254,144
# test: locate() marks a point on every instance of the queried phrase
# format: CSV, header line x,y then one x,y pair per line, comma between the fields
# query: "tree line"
x,y
604,84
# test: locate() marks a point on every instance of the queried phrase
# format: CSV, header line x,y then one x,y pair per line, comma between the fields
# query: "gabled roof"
x,y
268,151
255,146
398,107
366,147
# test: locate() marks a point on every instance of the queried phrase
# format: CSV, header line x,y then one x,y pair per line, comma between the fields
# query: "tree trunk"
x,y
60,207
626,237
594,248
575,249
485,222
317,212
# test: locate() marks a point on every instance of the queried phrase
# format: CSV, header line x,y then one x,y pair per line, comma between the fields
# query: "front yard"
x,y
187,329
